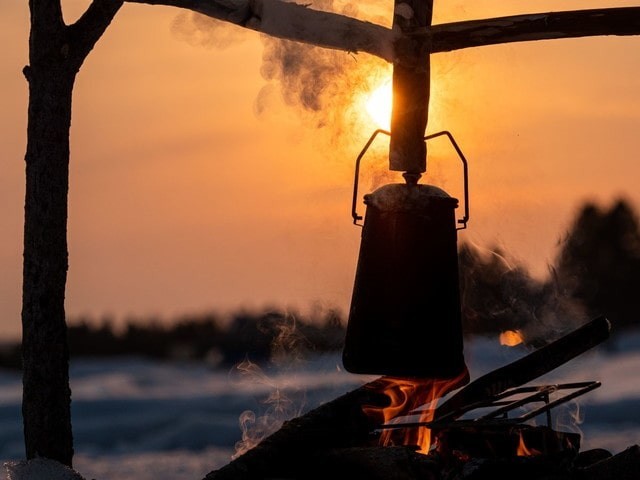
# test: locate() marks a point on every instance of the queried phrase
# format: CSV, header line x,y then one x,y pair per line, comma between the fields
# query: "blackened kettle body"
x,y
405,318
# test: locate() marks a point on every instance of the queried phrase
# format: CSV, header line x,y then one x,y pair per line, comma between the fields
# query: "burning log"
x,y
506,441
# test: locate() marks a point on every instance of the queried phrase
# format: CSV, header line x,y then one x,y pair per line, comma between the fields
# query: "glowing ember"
x,y
379,105
415,397
511,338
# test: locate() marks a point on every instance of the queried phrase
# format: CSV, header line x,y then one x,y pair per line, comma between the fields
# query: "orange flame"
x,y
406,396
511,338
524,451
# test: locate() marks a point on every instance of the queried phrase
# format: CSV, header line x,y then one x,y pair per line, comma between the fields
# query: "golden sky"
x,y
195,187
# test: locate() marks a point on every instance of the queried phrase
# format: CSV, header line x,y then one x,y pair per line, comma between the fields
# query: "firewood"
x,y
340,423
528,368
589,457
374,463
623,466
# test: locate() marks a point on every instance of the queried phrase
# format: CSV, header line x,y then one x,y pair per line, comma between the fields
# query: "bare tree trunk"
x,y
46,393
56,53
46,398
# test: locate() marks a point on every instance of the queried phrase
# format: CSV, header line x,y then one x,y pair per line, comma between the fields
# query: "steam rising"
x,y
568,417
279,407
309,76
325,87
284,400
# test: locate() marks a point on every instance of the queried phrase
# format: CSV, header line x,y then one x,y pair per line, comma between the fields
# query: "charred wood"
x,y
589,457
623,466
520,468
375,463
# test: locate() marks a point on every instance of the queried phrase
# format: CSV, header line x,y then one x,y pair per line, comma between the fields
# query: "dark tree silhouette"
x,y
599,262
498,294
56,53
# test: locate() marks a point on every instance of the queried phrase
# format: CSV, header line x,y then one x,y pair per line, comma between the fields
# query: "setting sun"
x,y
379,105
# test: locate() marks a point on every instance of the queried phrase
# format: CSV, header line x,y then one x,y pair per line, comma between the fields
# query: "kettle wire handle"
x,y
465,169
465,173
354,213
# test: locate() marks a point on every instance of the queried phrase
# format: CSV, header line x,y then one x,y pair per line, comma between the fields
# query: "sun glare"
x,y
379,105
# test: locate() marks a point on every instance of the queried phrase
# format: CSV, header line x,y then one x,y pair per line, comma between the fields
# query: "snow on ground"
x,y
139,419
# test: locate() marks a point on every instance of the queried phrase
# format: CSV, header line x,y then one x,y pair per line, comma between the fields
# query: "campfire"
x,y
498,426
489,418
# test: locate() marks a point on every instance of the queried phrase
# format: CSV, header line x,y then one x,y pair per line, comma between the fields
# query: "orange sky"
x,y
183,198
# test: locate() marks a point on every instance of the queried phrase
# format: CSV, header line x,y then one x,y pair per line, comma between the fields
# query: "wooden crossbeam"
x,y
299,23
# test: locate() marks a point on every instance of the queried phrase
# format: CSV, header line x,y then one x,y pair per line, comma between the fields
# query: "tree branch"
x,y
88,29
541,26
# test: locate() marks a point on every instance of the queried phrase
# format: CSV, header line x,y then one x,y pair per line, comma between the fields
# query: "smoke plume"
x,y
321,85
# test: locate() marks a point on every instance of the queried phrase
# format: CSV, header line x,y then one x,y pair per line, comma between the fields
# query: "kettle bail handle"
x,y
465,172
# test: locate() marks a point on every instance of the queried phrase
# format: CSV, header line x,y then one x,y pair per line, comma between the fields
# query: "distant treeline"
x,y
211,338
217,340
596,272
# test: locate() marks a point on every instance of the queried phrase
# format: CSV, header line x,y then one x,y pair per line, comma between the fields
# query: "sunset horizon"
x,y
201,180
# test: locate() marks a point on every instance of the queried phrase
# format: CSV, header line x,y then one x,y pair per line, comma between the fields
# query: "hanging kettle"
x,y
405,315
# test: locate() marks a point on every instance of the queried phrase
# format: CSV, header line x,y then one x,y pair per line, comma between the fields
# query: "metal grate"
x,y
502,407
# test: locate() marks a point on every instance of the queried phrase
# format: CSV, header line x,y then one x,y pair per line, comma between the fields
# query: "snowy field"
x,y
139,419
